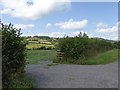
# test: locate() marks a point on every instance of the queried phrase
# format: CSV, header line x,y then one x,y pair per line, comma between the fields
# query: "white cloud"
x,y
103,28
52,34
107,31
101,25
71,34
38,8
72,24
24,26
57,34
76,33
48,25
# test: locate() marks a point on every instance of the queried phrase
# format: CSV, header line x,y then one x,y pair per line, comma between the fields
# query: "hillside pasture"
x,y
34,46
39,44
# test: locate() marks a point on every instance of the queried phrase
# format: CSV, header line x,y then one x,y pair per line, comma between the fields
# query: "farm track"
x,y
74,76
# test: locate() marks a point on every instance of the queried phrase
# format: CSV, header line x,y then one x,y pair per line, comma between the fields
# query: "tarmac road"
x,y
74,76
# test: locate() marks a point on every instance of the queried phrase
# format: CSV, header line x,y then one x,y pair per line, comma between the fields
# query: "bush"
x,y
13,54
82,47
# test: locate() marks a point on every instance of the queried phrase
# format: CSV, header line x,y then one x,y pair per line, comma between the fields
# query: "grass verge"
x,y
104,58
35,56
23,82
101,58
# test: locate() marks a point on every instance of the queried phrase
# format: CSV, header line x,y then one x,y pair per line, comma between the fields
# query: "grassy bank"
x,y
101,58
104,58
23,82
35,56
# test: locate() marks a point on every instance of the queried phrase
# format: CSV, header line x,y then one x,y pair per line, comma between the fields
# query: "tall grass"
x,y
104,58
35,56
23,82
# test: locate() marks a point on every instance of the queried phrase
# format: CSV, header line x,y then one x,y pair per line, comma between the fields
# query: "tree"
x,y
85,35
80,34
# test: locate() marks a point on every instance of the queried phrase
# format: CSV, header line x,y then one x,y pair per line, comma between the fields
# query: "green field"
x,y
40,44
36,46
35,56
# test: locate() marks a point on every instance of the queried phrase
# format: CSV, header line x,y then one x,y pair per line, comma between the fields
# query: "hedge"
x,y
82,47
13,54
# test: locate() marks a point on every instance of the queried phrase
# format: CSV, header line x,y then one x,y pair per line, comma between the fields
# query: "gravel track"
x,y
74,76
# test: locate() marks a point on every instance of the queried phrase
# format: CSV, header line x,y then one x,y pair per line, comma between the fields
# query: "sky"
x,y
61,18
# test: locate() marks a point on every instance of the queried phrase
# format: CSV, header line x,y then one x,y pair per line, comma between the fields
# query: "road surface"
x,y
74,76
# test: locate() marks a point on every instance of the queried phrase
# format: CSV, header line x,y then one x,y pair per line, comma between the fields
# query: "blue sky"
x,y
97,19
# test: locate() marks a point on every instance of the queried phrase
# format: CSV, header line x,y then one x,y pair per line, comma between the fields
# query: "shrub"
x,y
13,54
82,47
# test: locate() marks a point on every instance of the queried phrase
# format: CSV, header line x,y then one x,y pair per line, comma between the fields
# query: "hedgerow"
x,y
82,47
13,54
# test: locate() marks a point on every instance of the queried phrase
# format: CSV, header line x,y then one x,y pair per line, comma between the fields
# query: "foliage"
x,y
101,58
82,47
117,43
23,82
13,54
42,37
